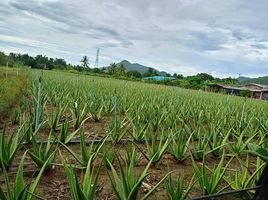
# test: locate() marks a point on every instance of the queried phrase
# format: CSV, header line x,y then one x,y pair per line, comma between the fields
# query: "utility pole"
x,y
239,75
97,59
6,69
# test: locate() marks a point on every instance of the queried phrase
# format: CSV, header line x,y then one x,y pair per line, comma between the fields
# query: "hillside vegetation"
x,y
138,67
261,80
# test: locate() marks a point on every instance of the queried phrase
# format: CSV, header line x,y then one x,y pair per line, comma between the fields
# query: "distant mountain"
x,y
261,80
243,79
138,67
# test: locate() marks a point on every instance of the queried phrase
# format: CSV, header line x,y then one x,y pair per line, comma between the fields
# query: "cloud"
x,y
181,36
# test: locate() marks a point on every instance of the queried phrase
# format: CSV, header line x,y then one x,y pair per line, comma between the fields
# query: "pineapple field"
x,y
73,136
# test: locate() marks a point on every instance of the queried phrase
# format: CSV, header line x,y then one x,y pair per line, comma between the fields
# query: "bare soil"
x,y
54,185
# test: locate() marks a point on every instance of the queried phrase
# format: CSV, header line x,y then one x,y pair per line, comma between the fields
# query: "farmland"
x,y
85,137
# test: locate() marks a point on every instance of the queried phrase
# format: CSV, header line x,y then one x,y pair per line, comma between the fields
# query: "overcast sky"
x,y
222,37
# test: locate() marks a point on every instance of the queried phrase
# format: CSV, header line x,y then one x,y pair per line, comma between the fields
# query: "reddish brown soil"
x,y
54,185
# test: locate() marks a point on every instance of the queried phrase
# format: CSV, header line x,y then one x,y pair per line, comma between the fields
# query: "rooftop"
x,y
159,78
262,88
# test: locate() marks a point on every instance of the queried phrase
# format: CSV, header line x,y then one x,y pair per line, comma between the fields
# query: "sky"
x,y
223,38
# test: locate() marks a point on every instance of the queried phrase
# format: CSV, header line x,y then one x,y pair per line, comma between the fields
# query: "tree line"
x,y
199,81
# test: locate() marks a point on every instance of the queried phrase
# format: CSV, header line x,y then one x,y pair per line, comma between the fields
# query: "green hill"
x,y
138,67
261,80
243,79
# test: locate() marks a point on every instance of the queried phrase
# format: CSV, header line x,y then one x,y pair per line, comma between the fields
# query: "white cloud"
x,y
183,36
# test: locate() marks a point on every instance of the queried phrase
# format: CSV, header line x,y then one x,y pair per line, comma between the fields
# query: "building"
x,y
258,91
159,78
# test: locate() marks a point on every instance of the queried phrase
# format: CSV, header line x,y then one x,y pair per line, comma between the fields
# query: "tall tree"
x,y
134,74
85,62
178,76
3,58
150,72
121,70
112,69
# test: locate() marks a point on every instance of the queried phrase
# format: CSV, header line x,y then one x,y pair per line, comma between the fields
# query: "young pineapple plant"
x,y
240,144
139,131
96,110
42,154
27,131
127,184
86,190
179,147
156,120
19,190
64,135
156,148
259,151
243,177
16,114
87,151
8,148
209,180
79,113
55,115
200,148
216,140
178,191
117,130
109,156
132,154
172,119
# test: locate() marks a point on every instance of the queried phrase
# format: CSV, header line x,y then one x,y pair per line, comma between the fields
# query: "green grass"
x,y
10,88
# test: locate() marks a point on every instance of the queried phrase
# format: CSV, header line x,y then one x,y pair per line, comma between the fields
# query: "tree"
x,y
85,62
195,82
245,93
2,58
103,70
168,75
229,80
112,69
134,74
50,64
97,70
28,60
42,61
150,72
178,76
205,77
121,70
59,63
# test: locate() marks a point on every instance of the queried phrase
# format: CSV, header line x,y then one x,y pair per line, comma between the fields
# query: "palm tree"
x,y
112,69
122,70
85,62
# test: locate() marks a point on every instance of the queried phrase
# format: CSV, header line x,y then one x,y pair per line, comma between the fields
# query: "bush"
x,y
134,74
245,93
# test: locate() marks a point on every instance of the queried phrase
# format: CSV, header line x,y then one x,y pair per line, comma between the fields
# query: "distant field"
x,y
133,124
